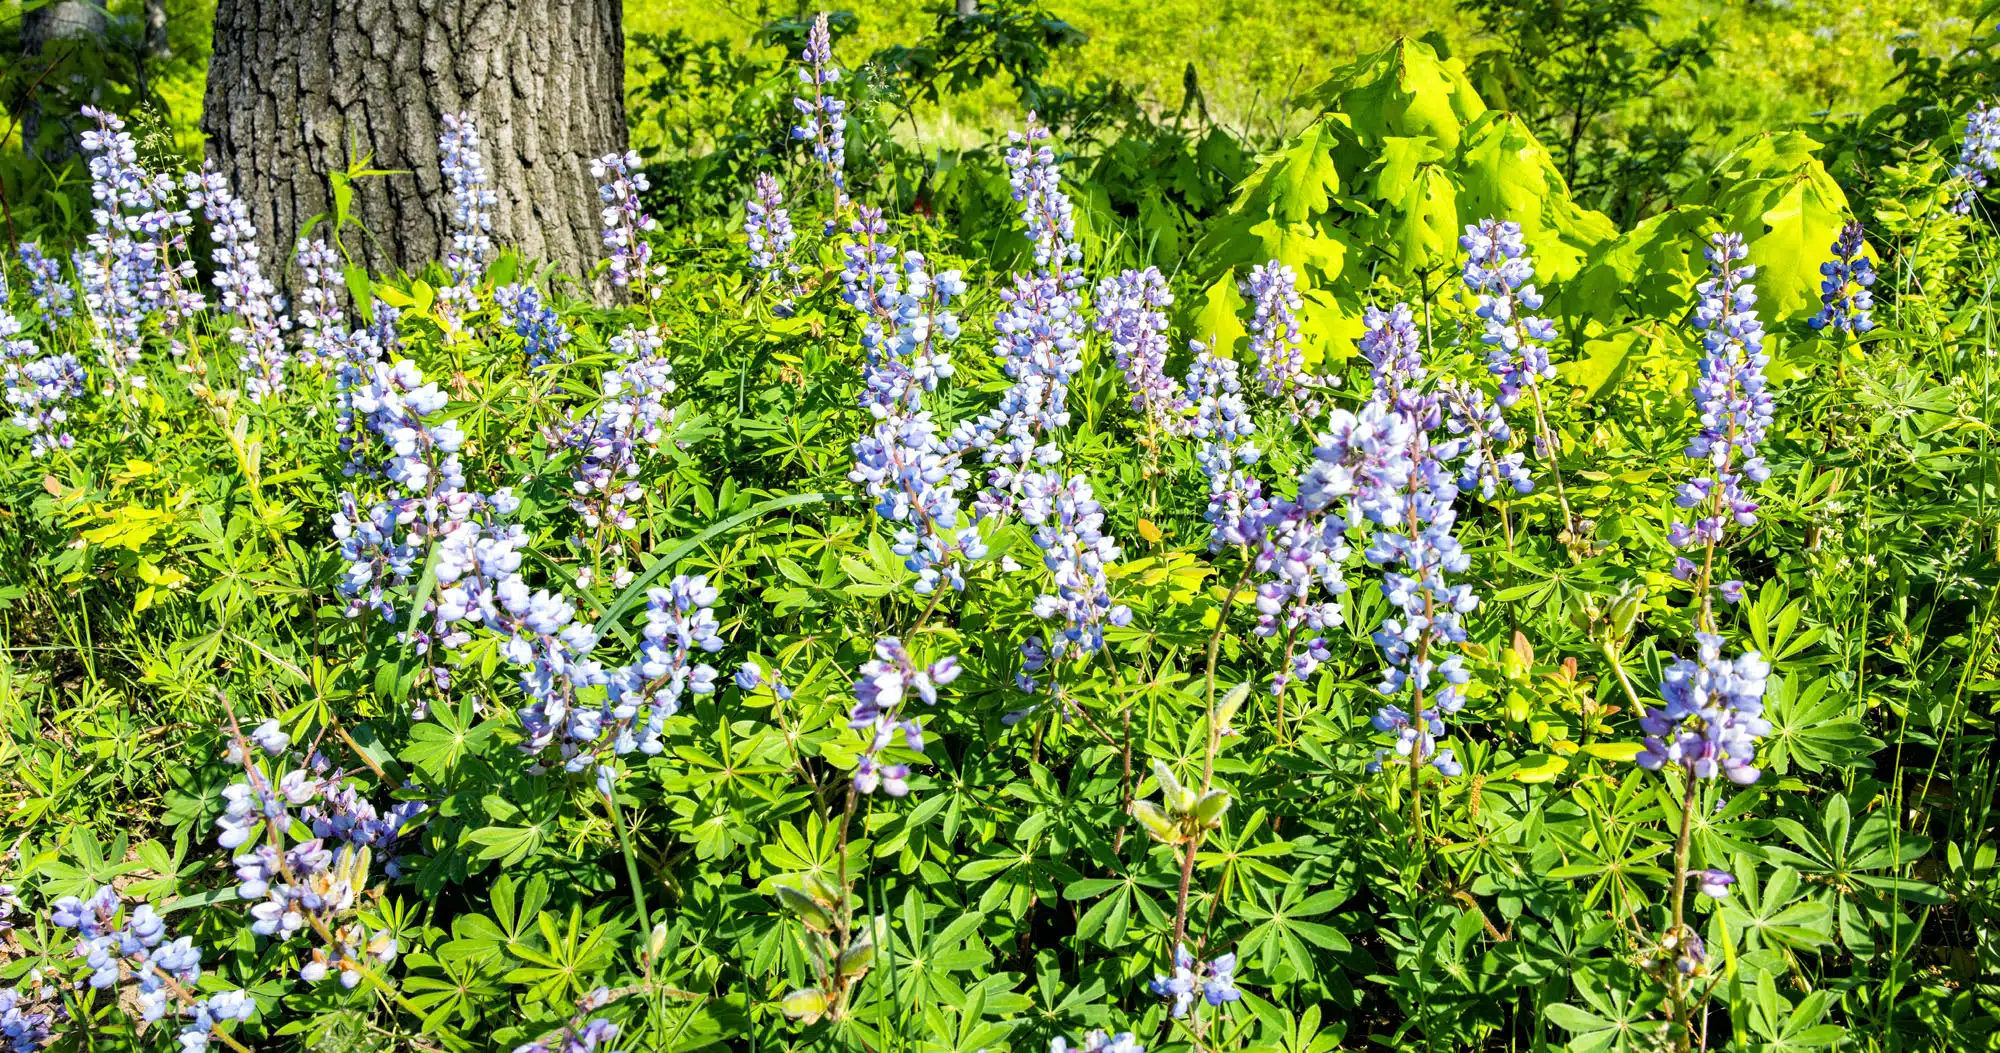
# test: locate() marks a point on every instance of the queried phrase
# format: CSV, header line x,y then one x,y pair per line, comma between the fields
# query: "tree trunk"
x,y
300,88
153,47
50,33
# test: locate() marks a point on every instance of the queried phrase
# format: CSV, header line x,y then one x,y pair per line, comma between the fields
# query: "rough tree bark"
x,y
299,88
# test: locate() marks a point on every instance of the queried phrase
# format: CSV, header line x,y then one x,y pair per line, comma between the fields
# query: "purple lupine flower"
x,y
1272,289
54,296
908,316
1847,305
1712,717
1405,486
768,226
1040,332
1214,981
246,293
680,623
625,225
120,263
914,477
29,1015
471,218
1068,529
609,440
319,313
1978,155
1236,504
1099,1042
1300,550
1468,412
1502,275
544,337
1131,307
315,885
822,117
120,946
1393,348
37,389
880,697
578,1037
1730,398
1714,883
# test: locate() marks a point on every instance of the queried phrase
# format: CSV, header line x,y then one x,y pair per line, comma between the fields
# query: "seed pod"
x,y
1226,710
807,908
1209,809
1156,822
1177,798
807,1004
856,959
1625,612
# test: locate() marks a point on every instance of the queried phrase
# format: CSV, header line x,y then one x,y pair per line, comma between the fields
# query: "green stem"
x,y
631,863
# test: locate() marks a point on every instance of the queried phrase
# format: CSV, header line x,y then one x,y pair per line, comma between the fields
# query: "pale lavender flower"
x,y
471,217
246,293
1712,717
1131,307
625,224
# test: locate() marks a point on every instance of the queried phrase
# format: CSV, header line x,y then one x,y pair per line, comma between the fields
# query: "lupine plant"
x,y
878,630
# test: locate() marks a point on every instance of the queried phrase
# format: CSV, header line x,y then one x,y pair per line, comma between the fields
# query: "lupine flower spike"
x,y
1847,305
1734,408
471,218
625,224
1978,155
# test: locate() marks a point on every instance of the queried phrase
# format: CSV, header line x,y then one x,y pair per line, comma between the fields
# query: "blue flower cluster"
x,y
1273,292
907,312
121,946
880,698
608,440
914,477
1099,1042
1131,308
1406,486
121,271
625,224
1714,714
319,883
1500,272
1468,412
259,332
1224,429
768,226
1068,527
1846,304
471,218
37,388
1733,405
30,1013
1215,981
1301,548
544,337
54,296
1978,155
319,316
822,117
1040,329
911,468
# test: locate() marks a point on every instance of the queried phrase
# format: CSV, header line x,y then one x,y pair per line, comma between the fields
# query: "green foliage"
x,y
175,568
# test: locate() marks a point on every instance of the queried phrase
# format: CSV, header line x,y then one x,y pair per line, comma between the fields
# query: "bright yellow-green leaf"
x,y
1538,767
